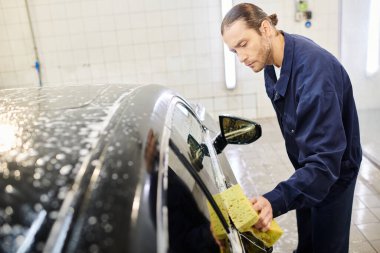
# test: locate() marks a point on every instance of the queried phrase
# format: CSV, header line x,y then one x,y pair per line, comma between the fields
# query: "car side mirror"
x,y
239,131
235,130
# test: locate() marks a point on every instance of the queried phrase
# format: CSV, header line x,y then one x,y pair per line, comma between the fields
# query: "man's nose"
x,y
242,57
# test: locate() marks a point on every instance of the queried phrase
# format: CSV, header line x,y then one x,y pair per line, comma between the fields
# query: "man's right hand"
x,y
264,209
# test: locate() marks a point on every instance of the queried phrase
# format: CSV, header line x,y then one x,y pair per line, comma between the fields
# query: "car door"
x,y
192,180
194,175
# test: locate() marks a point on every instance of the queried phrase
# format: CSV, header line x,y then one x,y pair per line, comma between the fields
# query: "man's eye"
x,y
243,44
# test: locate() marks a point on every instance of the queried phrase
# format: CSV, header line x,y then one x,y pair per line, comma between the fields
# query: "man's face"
x,y
251,48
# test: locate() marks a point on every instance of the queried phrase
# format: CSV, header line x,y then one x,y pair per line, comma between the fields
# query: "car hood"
x,y
71,166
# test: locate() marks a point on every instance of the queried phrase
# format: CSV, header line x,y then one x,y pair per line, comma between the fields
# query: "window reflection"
x,y
189,229
188,216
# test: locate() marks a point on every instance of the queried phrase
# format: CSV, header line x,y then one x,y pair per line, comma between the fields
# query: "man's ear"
x,y
265,28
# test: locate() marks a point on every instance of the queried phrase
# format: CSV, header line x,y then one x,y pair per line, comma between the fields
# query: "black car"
x,y
113,168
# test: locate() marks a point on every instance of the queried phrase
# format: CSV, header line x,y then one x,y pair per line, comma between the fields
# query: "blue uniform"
x,y
317,115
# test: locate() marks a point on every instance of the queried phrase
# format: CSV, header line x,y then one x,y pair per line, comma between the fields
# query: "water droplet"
x,y
108,228
114,176
37,207
92,220
46,182
65,170
104,217
60,157
3,167
8,210
19,240
9,188
6,229
17,175
130,163
95,163
6,174
83,152
44,198
40,162
36,184
37,176
61,194
53,215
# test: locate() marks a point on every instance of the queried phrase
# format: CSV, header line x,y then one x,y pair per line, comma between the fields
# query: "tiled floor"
x,y
261,165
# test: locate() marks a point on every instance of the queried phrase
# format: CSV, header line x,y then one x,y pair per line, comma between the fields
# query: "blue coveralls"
x,y
317,115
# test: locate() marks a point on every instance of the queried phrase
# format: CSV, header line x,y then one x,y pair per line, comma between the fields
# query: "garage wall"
x,y
175,43
355,36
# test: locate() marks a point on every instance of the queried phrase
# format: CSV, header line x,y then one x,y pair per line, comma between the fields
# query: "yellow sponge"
x,y
216,225
269,237
239,208
234,204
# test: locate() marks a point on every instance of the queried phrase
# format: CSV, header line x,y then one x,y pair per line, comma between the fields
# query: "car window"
x,y
187,131
188,215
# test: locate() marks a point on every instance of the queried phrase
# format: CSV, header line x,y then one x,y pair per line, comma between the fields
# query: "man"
x,y
313,100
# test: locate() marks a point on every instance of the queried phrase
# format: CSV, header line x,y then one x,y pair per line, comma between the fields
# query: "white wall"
x,y
354,53
176,43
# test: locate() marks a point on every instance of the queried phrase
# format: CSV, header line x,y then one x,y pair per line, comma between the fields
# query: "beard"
x,y
266,52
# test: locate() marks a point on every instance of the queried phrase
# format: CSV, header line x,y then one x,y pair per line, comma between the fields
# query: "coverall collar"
x,y
278,87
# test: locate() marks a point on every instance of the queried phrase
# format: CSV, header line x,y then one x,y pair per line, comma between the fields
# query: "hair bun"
x,y
273,18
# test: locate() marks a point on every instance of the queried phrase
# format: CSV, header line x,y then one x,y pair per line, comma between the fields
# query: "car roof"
x,y
71,155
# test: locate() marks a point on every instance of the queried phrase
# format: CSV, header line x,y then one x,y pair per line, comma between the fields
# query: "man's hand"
x,y
264,209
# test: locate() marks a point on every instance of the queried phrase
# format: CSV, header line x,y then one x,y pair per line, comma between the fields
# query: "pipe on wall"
x,y
37,64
